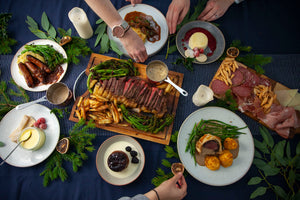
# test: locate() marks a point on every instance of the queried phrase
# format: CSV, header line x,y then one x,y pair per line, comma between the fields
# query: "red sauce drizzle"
x,y
211,39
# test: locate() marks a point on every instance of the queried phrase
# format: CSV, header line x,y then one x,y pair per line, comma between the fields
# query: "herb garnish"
x,y
276,160
187,63
77,47
105,43
6,103
2,144
60,112
228,102
5,41
80,142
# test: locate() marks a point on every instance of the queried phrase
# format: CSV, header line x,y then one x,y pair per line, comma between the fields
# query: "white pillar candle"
x,y
81,22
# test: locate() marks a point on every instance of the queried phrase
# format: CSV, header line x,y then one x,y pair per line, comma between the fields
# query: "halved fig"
x,y
232,52
63,145
177,167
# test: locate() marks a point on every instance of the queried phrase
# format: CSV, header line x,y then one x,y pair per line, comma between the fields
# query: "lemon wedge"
x,y
203,95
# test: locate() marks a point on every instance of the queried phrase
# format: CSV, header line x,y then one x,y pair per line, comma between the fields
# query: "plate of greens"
x,y
36,78
222,176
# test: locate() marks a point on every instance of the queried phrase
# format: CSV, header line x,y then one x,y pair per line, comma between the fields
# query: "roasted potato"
x,y
226,158
212,162
230,144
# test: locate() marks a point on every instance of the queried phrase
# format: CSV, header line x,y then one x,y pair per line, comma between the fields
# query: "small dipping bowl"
x,y
157,72
36,140
57,94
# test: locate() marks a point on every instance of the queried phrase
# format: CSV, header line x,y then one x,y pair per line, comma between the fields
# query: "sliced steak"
x,y
241,91
238,78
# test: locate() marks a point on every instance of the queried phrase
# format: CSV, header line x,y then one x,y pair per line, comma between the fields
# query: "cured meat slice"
x,y
219,87
241,91
238,78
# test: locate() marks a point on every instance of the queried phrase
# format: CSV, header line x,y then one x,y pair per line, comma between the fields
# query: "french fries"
x,y
225,72
98,108
266,96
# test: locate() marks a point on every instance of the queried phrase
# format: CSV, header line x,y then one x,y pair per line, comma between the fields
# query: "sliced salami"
x,y
241,91
219,87
238,78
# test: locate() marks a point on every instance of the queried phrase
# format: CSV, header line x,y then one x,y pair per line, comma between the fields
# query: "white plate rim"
x,y
20,80
223,176
52,136
218,31
111,140
151,48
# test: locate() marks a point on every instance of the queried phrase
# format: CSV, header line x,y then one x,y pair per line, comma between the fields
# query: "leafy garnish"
x,y
5,41
276,160
228,102
105,43
80,142
255,61
186,62
60,112
2,144
6,103
74,49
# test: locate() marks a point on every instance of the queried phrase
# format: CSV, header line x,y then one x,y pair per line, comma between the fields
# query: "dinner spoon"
x,y
25,138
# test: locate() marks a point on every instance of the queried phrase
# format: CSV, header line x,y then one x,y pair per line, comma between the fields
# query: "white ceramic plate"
x,y
19,78
223,176
151,48
22,157
115,143
215,31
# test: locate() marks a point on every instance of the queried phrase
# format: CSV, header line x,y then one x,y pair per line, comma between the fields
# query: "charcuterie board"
x,y
247,86
162,137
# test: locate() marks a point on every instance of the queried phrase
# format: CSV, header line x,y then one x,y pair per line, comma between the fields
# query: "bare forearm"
x,y
106,11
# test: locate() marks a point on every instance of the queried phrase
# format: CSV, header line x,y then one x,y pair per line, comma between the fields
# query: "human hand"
x,y
176,12
215,9
134,46
173,189
133,2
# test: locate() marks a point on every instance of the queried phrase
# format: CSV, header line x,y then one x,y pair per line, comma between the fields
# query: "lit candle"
x,y
81,22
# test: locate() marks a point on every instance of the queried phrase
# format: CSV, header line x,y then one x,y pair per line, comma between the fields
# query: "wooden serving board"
x,y
162,137
274,85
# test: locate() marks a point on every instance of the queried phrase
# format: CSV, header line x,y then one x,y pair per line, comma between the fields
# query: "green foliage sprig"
x,y
170,153
60,112
74,49
276,160
187,63
80,142
5,41
228,102
6,103
105,43
255,61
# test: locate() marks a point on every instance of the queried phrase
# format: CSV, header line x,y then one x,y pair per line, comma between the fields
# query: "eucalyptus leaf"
x,y
172,49
69,32
266,136
115,48
259,163
45,22
257,154
280,192
258,192
255,180
279,151
40,34
288,150
2,144
296,162
298,149
292,177
270,171
104,44
32,23
261,146
100,29
52,32
99,21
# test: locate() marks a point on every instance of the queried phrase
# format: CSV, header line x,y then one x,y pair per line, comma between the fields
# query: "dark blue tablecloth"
x,y
270,27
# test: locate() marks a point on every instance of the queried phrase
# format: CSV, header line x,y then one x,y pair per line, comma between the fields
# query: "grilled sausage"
x,y
38,63
26,74
36,72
